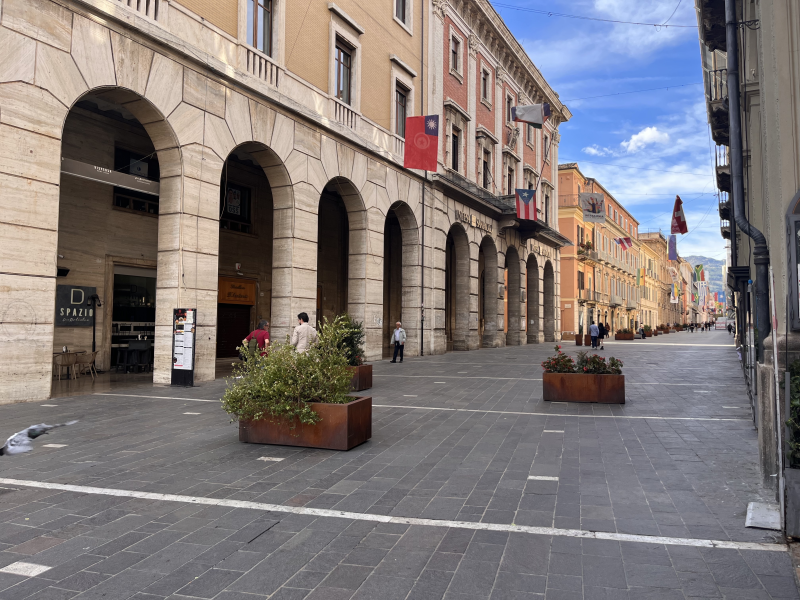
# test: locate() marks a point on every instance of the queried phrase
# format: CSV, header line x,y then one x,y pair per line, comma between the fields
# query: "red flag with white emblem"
x,y
678,218
422,143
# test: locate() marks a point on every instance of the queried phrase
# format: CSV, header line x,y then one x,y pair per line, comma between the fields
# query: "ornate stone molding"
x,y
439,7
474,42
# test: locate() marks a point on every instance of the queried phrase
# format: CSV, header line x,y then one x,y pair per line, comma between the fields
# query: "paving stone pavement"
x,y
455,438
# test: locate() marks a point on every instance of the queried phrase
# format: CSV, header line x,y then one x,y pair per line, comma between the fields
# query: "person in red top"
x,y
261,335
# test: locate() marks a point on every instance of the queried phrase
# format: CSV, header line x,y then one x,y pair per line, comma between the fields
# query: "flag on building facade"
x,y
678,218
698,271
639,277
535,114
526,204
422,143
673,247
593,206
625,242
676,292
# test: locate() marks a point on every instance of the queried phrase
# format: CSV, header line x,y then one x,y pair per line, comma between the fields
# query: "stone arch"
x,y
102,227
342,242
533,299
487,292
513,282
256,179
401,284
457,288
549,293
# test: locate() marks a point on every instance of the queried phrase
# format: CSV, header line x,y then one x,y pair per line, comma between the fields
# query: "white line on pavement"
x,y
191,413
156,397
24,568
541,478
553,431
539,379
269,459
501,412
325,512
540,414
54,446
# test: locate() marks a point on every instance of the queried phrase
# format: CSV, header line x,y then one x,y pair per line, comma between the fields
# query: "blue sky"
x,y
663,130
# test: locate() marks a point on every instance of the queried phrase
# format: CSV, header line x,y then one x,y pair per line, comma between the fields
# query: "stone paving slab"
x,y
655,476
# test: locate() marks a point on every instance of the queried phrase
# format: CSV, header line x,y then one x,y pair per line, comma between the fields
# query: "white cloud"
x,y
595,150
647,136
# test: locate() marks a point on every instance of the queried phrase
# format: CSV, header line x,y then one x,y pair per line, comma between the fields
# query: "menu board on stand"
x,y
184,322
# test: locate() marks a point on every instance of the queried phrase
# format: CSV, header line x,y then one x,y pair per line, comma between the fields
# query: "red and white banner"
x,y
678,218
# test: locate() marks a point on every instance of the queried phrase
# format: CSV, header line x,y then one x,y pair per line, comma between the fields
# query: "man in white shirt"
x,y
304,335
594,331
398,339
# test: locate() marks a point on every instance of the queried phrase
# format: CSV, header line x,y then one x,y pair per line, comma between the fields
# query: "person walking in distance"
x,y
304,334
594,332
398,340
258,338
730,329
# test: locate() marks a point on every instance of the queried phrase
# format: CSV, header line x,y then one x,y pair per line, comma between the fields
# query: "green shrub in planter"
x,y
352,340
280,383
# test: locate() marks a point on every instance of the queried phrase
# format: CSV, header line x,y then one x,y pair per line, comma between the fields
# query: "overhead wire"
x,y
633,92
550,13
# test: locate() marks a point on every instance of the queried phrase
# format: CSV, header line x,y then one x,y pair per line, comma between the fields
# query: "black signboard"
x,y
103,175
73,308
184,323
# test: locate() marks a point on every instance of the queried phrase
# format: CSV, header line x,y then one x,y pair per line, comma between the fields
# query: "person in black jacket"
x,y
603,333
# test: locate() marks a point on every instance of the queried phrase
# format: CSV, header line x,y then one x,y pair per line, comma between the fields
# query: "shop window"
x,y
132,163
344,71
259,25
235,209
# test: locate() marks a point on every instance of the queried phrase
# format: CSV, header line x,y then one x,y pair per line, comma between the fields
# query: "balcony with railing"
x,y
717,98
344,114
616,300
725,228
724,206
150,9
261,67
632,304
723,169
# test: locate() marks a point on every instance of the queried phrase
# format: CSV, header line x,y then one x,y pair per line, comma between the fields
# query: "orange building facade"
x,y
598,276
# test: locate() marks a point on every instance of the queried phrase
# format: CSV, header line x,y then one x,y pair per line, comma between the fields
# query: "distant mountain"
x,y
713,269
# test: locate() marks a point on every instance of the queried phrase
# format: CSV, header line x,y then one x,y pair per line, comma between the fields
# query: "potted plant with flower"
x,y
590,379
300,398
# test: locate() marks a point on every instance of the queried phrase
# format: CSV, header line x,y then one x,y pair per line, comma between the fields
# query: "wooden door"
x,y
233,325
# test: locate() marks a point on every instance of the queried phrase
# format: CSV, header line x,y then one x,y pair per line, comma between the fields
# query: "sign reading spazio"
x,y
72,309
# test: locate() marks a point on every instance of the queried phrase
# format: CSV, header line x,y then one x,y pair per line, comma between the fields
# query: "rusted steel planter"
x,y
648,334
576,387
362,377
343,426
587,340
623,336
578,340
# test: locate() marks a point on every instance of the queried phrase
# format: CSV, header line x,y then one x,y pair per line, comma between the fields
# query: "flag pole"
x,y
541,170
422,274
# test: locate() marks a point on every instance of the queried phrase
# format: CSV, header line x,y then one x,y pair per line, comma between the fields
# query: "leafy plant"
x,y
625,330
560,363
280,384
647,329
352,343
596,365
793,418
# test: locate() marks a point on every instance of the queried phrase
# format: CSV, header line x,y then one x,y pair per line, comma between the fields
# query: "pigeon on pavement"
x,y
22,441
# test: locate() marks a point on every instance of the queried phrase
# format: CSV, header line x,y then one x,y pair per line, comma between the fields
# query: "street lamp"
x,y
94,302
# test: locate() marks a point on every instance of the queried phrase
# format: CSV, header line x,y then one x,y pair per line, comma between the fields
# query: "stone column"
x,y
472,92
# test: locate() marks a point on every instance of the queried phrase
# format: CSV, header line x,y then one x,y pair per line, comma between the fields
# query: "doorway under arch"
x,y
512,297
401,277
108,230
487,293
532,270
245,245
549,293
456,288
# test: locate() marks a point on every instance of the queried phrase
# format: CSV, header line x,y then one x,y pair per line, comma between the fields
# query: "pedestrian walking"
x,y
602,333
691,328
730,329
594,332
641,331
304,334
257,339
398,340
